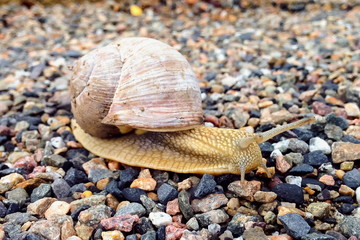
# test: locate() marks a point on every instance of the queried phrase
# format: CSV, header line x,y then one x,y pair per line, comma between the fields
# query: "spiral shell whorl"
x,y
136,82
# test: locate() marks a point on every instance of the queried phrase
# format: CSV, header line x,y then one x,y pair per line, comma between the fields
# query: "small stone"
x,y
112,235
14,156
46,228
327,180
91,201
321,108
148,203
60,188
127,176
317,143
270,217
347,166
345,151
9,181
150,235
132,209
317,236
95,163
295,158
346,191
96,174
352,109
18,195
122,223
333,132
354,131
246,190
298,146
289,193
192,224
264,197
337,120
74,176
54,160
256,233
166,193
237,224
357,192
133,194
213,216
57,208
352,178
160,218
281,164
40,206
93,215
319,209
302,169
350,226
184,204
172,207
336,235
144,181
57,142
294,225
174,230
315,158
206,186
346,208
210,202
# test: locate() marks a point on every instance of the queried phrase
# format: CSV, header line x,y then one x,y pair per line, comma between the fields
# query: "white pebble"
x,y
317,143
357,192
57,142
275,154
160,218
296,180
282,145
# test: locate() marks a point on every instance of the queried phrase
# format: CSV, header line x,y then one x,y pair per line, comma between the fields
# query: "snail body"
x,y
169,108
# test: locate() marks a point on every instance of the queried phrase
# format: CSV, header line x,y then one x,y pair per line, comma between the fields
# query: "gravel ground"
x,y
257,67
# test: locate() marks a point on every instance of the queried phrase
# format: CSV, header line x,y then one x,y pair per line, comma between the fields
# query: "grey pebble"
x,y
192,224
18,195
213,216
132,209
150,235
317,236
184,204
147,202
352,178
294,225
333,132
54,160
96,174
350,226
44,190
206,186
166,193
60,188
298,146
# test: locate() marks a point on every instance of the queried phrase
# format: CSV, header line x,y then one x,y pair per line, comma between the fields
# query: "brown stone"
x,y
353,131
246,189
265,197
327,180
172,207
40,206
210,202
321,108
345,151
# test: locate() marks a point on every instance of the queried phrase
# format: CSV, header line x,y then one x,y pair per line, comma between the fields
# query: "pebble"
x,y
17,195
302,169
213,216
337,120
206,186
352,178
345,190
256,233
133,194
353,131
246,190
9,181
294,225
54,160
357,192
184,204
60,188
350,226
160,218
317,236
317,143
122,223
333,132
132,209
192,224
57,208
74,176
319,209
172,207
298,146
264,197
112,235
40,206
345,151
208,203
289,193
315,158
166,193
237,224
91,201
96,174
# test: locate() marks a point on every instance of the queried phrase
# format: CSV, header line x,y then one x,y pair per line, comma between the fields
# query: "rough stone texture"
x,y
294,225
345,151
352,178
123,223
206,186
91,201
319,209
131,208
184,204
289,193
246,190
160,218
210,202
8,181
40,206
350,226
213,216
47,229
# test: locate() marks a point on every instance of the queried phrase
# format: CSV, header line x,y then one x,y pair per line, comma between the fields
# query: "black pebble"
x,y
344,199
112,188
3,210
315,158
289,193
13,208
127,176
324,195
206,186
74,176
133,194
294,225
346,208
77,211
160,233
303,134
144,226
302,169
341,122
3,139
225,179
78,188
12,170
349,138
166,193
266,148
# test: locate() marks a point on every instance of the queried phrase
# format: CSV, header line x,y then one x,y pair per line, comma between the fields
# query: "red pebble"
x,y
172,207
174,231
27,163
321,108
121,223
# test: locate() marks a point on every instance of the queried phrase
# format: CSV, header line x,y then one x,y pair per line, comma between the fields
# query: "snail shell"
x,y
141,83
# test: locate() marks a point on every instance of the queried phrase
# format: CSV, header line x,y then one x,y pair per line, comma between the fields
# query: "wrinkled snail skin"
x,y
144,85
199,150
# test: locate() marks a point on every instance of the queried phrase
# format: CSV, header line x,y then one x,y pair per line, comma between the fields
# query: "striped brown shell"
x,y
141,83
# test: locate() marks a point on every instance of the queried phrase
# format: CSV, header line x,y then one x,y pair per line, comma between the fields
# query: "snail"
x,y
137,101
